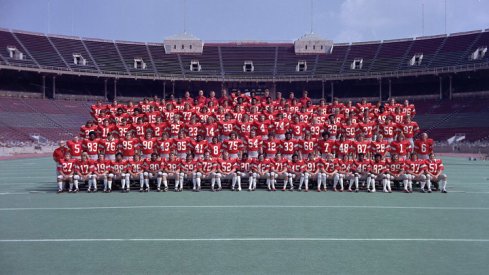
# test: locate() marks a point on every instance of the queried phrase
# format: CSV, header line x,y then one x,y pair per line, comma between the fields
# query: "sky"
x,y
250,20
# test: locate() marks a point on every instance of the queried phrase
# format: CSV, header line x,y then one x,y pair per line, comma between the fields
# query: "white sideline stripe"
x,y
245,240
244,206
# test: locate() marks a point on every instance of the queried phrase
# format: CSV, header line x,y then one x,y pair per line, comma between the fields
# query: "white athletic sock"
x,y
356,183
238,181
233,182
405,183
165,182
197,181
75,182
306,181
301,181
60,185
444,185
213,182
158,182
218,182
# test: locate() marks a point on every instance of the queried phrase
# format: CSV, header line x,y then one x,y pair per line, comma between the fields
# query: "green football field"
x,y
42,232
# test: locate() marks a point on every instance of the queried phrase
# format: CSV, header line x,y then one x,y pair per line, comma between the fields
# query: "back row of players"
x,y
253,137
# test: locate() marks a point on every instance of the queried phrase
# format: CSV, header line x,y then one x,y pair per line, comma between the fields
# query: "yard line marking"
x,y
245,240
244,206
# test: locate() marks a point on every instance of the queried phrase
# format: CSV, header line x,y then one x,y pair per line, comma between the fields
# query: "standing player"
x,y
434,173
423,146
75,147
129,146
91,145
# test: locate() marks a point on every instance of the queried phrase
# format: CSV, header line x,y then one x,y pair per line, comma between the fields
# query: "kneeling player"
x,y
434,170
66,170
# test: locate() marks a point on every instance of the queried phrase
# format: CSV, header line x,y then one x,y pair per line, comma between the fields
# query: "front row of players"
x,y
338,171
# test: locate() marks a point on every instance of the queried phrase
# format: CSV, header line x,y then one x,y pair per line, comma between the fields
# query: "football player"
x,y
434,173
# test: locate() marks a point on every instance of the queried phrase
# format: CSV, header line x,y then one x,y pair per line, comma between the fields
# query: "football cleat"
x,y
429,190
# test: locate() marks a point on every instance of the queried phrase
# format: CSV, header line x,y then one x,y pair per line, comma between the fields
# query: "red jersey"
x,y
101,166
91,146
332,128
153,166
245,128
200,146
311,165
401,148
280,126
173,166
395,167
75,148
189,166
344,166
423,147
434,166
226,166
85,131
350,131
140,128
136,166
297,129
362,147
254,144
288,147
67,167
261,166
409,129
211,130
105,130
244,165
233,146
415,167
261,127
110,146
182,145
388,130
380,147
379,167
148,146
175,128
206,166
158,129
118,166
307,146
315,129
227,127
129,146
270,146
363,166
326,146
165,146
279,165
343,147
297,167
215,149
367,128
193,129
123,129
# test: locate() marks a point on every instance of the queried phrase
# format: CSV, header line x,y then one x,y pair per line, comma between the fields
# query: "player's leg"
x,y
442,179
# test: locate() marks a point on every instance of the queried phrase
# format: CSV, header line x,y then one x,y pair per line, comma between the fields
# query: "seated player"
x,y
189,170
260,168
101,168
118,172
152,169
296,170
172,170
207,167
310,170
83,172
395,171
377,173
363,166
278,169
226,168
415,172
434,173
66,170
243,170
343,172
135,171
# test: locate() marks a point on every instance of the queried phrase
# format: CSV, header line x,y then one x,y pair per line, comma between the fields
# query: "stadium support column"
x,y
380,89
164,89
105,89
173,87
115,88
332,91
322,89
450,87
54,87
390,88
441,87
43,86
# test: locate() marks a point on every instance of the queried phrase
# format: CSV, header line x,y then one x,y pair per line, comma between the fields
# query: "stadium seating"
x,y
226,59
